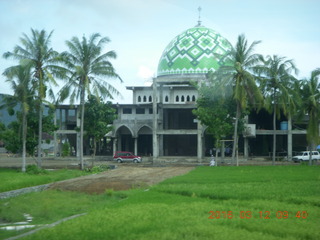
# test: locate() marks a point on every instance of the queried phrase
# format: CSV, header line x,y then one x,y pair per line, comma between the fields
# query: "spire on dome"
x,y
199,19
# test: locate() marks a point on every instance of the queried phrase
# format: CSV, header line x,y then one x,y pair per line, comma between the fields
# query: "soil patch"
x,y
122,178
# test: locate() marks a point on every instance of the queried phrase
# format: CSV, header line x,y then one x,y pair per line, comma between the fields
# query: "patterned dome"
x,y
193,52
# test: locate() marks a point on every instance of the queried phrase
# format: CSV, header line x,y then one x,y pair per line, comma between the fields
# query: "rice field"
x,y
247,202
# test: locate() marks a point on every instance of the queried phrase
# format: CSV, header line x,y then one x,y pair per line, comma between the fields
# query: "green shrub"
x,y
65,149
34,169
97,169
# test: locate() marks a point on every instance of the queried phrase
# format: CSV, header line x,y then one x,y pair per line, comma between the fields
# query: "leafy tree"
x,y
2,128
217,114
311,98
87,68
277,84
12,137
98,119
35,52
20,79
236,79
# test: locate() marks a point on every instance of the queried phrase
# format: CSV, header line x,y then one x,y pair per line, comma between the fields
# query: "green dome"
x,y
195,51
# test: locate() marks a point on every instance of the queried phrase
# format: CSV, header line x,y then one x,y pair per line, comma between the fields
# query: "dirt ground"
x,y
121,178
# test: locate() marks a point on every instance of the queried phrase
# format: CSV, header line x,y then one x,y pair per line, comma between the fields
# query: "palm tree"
x,y
277,84
35,52
87,69
311,105
20,79
237,76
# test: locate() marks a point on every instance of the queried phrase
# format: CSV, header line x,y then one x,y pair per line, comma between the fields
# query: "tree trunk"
x,y
274,136
310,156
24,140
94,147
235,135
40,135
81,128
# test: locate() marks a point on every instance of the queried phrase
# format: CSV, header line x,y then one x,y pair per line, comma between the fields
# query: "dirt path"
x,y
122,178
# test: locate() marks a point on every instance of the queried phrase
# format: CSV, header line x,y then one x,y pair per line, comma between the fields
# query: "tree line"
x,y
84,68
249,82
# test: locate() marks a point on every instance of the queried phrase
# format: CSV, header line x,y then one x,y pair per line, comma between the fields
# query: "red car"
x,y
121,156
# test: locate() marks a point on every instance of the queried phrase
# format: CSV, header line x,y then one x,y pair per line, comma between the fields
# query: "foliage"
x,y
277,84
20,80
35,53
237,80
34,169
217,114
12,138
310,93
87,69
98,119
12,135
97,169
66,149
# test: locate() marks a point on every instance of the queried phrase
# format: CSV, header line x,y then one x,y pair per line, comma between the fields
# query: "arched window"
x,y
144,99
139,98
188,98
177,98
150,99
193,98
166,99
182,98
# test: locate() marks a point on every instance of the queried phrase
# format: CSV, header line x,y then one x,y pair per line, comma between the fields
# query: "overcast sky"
x,y
141,29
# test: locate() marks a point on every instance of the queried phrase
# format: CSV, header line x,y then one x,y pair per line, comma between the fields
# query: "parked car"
x,y
121,156
304,156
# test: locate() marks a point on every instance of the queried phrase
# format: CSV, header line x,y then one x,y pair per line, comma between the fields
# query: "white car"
x,y
304,156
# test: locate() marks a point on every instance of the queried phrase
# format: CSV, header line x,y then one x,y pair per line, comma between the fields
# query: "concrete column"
x,y
155,121
223,149
78,133
199,140
160,143
114,147
136,146
246,147
289,138
246,141
55,148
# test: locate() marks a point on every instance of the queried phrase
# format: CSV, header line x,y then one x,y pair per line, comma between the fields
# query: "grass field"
x,y
251,202
11,179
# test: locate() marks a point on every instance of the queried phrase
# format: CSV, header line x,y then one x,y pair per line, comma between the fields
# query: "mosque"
x,y
159,123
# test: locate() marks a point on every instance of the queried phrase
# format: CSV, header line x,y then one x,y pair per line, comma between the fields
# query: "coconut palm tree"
x,y
35,52
237,76
20,79
277,84
311,105
88,68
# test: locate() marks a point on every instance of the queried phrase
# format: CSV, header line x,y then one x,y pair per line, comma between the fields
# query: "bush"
x,y
34,169
97,169
66,149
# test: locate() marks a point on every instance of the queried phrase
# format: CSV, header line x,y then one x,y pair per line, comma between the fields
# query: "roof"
x,y
195,51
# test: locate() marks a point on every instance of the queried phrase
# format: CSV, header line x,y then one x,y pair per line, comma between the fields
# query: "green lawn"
x,y
11,179
271,202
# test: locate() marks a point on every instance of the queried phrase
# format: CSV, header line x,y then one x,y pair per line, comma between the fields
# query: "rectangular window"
x,y
127,111
140,111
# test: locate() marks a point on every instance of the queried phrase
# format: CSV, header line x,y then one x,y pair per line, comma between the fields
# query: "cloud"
x,y
145,72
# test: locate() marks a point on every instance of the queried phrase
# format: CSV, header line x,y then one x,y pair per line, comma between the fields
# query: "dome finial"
x,y
199,19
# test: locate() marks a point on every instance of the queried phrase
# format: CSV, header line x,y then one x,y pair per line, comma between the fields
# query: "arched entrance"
x,y
145,141
125,139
